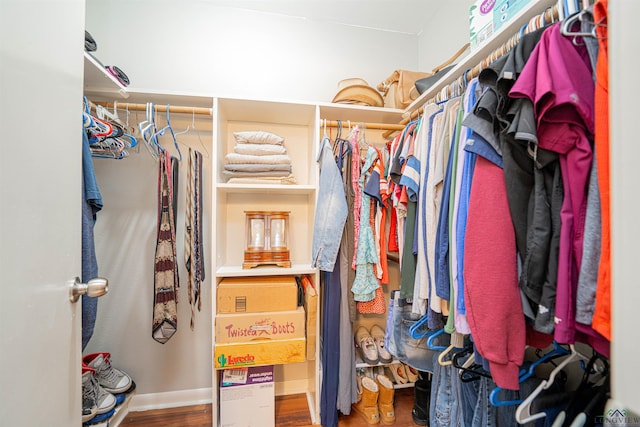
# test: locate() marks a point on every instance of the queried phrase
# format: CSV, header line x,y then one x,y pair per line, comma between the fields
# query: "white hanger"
x,y
523,412
442,355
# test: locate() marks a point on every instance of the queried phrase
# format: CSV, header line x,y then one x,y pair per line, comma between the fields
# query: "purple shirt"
x,y
557,79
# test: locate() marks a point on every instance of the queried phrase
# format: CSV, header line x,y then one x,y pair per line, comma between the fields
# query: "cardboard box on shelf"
x,y
487,16
257,353
232,328
247,397
257,294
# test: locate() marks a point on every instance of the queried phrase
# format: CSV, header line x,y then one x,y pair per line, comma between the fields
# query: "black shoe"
x,y
422,398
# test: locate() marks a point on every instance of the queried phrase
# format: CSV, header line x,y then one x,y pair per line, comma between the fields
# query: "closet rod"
x,y
159,108
377,126
551,14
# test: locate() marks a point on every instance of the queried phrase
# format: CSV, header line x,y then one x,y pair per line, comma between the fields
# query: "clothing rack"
x,y
159,108
376,126
449,86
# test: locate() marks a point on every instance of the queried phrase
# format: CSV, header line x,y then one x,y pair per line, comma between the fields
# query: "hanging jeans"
x,y
331,211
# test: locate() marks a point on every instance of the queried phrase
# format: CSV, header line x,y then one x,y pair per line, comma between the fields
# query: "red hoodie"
x,y
492,296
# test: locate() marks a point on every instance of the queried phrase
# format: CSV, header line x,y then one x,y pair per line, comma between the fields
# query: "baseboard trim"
x,y
174,399
170,399
284,388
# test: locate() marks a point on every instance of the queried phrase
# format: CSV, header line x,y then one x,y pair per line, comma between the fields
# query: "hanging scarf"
x,y
165,313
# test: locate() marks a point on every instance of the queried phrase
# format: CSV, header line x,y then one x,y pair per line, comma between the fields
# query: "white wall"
x,y
625,233
445,31
196,46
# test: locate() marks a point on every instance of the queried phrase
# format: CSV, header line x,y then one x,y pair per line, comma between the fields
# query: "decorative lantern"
x,y
266,239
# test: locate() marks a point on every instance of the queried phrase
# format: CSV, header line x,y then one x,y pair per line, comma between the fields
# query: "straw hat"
x,y
357,91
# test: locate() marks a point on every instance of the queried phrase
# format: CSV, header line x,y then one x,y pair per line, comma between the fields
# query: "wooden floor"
x,y
291,411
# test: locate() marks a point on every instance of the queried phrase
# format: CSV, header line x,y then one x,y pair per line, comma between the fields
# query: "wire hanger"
x,y
170,129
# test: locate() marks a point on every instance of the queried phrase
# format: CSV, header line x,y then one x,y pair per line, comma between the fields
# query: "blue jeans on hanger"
x,y
331,211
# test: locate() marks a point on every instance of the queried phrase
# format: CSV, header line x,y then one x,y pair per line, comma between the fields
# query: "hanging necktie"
x,y
194,260
165,304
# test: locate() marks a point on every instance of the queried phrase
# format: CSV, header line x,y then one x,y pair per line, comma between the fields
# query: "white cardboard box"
x,y
487,16
247,397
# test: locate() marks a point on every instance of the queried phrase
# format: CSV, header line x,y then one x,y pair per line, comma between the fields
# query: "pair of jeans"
x,y
331,210
446,406
414,352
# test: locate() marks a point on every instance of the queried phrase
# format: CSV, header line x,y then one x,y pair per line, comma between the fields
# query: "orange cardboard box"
x,y
256,353
257,294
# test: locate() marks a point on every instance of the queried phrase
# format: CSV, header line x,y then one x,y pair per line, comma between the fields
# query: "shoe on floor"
x,y
367,405
378,337
367,346
111,379
412,373
399,373
105,401
89,403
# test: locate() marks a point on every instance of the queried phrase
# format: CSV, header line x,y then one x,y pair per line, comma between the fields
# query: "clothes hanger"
x,y
568,23
431,343
147,130
523,412
445,353
419,329
469,370
525,374
585,386
168,127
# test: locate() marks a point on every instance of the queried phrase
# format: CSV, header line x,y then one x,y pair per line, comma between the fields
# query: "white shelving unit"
x,y
295,122
300,124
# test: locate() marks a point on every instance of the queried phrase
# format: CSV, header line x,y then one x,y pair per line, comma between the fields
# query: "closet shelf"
x,y
98,81
474,58
271,188
238,271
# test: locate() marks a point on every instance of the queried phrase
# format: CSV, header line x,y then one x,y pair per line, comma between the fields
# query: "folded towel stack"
x,y
258,155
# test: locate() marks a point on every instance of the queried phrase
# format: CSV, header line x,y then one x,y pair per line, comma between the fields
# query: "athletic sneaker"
x,y
111,379
89,405
105,401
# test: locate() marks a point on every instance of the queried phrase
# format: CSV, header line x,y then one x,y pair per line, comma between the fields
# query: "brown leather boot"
x,y
367,405
385,400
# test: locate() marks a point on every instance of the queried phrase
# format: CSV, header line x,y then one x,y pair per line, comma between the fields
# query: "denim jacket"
x,y
331,210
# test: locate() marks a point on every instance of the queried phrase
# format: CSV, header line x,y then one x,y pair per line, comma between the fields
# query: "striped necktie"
x,y
193,251
165,303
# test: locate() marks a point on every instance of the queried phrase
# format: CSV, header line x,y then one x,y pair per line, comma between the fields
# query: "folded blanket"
x,y
252,167
271,159
256,174
259,149
258,137
290,179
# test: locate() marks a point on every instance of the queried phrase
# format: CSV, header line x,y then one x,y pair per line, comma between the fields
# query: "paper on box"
x,y
232,328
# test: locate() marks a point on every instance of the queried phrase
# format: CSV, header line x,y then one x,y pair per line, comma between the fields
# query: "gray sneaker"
x,y
104,400
111,379
89,405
